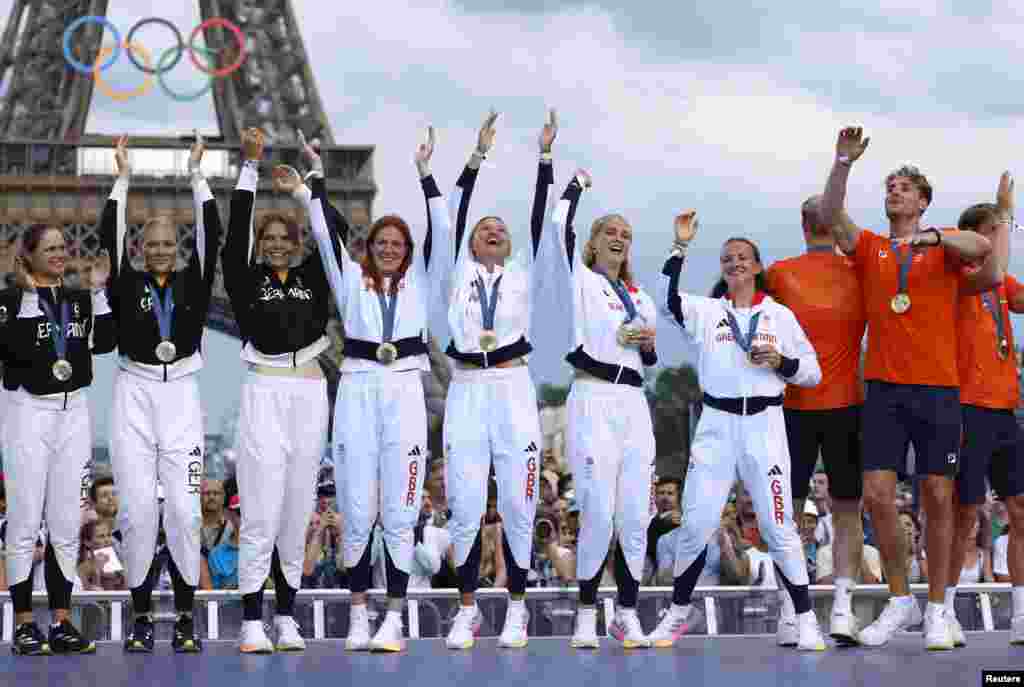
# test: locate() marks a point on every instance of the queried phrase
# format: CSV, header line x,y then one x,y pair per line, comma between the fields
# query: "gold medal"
x,y
1004,349
488,340
386,353
900,303
166,352
62,370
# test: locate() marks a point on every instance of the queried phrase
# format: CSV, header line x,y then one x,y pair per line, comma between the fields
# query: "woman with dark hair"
x,y
281,302
491,408
380,421
48,335
751,347
156,421
610,437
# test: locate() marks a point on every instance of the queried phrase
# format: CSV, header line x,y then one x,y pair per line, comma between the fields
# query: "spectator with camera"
x,y
323,567
668,495
99,567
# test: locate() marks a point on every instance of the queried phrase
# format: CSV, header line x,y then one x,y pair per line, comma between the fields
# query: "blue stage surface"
x,y
722,661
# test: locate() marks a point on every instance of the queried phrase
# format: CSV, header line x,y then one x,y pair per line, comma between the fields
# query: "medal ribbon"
x,y
620,290
991,300
488,307
58,328
387,311
163,310
751,330
905,261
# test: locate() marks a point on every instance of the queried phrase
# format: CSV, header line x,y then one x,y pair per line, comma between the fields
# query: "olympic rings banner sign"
x,y
167,60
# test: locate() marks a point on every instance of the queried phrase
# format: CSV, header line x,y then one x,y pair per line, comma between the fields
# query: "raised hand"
x,y
100,272
252,143
424,151
1004,195
313,158
549,132
583,178
851,144
22,277
686,226
286,179
485,139
195,155
121,157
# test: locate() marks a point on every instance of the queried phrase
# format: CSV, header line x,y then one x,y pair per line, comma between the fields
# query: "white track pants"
x,y
753,449
156,432
282,431
380,448
492,415
47,450
610,442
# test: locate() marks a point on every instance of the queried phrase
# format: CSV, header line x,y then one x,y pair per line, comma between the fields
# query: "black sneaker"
x,y
66,639
29,640
185,640
140,639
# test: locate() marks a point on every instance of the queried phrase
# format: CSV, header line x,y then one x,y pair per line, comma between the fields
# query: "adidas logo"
x,y
532,448
723,323
196,452
776,471
415,451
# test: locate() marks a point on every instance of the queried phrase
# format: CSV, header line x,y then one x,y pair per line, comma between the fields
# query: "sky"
x,y
729,108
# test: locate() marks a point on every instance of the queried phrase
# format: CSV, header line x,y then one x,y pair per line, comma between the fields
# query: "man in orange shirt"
x,y
993,441
911,280
822,290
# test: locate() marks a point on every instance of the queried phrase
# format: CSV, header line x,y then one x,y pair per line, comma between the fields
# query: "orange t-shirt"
x,y
823,291
919,346
985,380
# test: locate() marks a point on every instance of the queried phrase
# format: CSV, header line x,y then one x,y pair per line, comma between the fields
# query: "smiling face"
x,y
610,242
277,246
47,260
388,250
739,265
490,241
160,246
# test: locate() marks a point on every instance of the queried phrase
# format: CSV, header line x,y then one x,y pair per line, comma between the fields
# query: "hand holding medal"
x,y
765,356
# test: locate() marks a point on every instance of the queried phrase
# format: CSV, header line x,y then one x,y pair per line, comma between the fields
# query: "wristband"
x,y
477,153
545,156
581,182
313,174
844,160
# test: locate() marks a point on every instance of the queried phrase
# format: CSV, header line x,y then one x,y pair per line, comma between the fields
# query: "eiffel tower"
x,y
52,171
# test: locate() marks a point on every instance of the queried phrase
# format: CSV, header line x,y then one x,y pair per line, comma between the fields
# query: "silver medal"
x,y
62,370
166,352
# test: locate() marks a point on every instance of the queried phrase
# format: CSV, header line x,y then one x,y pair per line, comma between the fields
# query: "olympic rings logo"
x,y
167,60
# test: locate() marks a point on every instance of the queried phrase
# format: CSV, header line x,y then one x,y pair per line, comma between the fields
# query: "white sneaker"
x,y
1017,630
788,633
358,629
585,636
675,623
959,638
288,637
938,635
390,636
897,615
517,619
465,627
809,635
627,629
254,638
843,627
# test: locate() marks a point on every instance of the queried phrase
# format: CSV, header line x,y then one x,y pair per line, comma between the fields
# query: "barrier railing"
x,y
421,599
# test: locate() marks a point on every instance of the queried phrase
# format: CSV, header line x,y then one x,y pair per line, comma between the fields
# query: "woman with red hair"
x,y
380,425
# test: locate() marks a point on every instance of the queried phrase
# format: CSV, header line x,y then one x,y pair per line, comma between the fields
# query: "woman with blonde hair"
x,y
609,438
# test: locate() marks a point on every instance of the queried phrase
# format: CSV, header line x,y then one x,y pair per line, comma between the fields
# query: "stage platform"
x,y
722,661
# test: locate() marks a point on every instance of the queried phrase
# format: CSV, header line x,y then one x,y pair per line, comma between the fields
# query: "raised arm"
x,y
207,218
113,222
434,259
682,309
545,180
849,148
459,201
993,269
240,246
